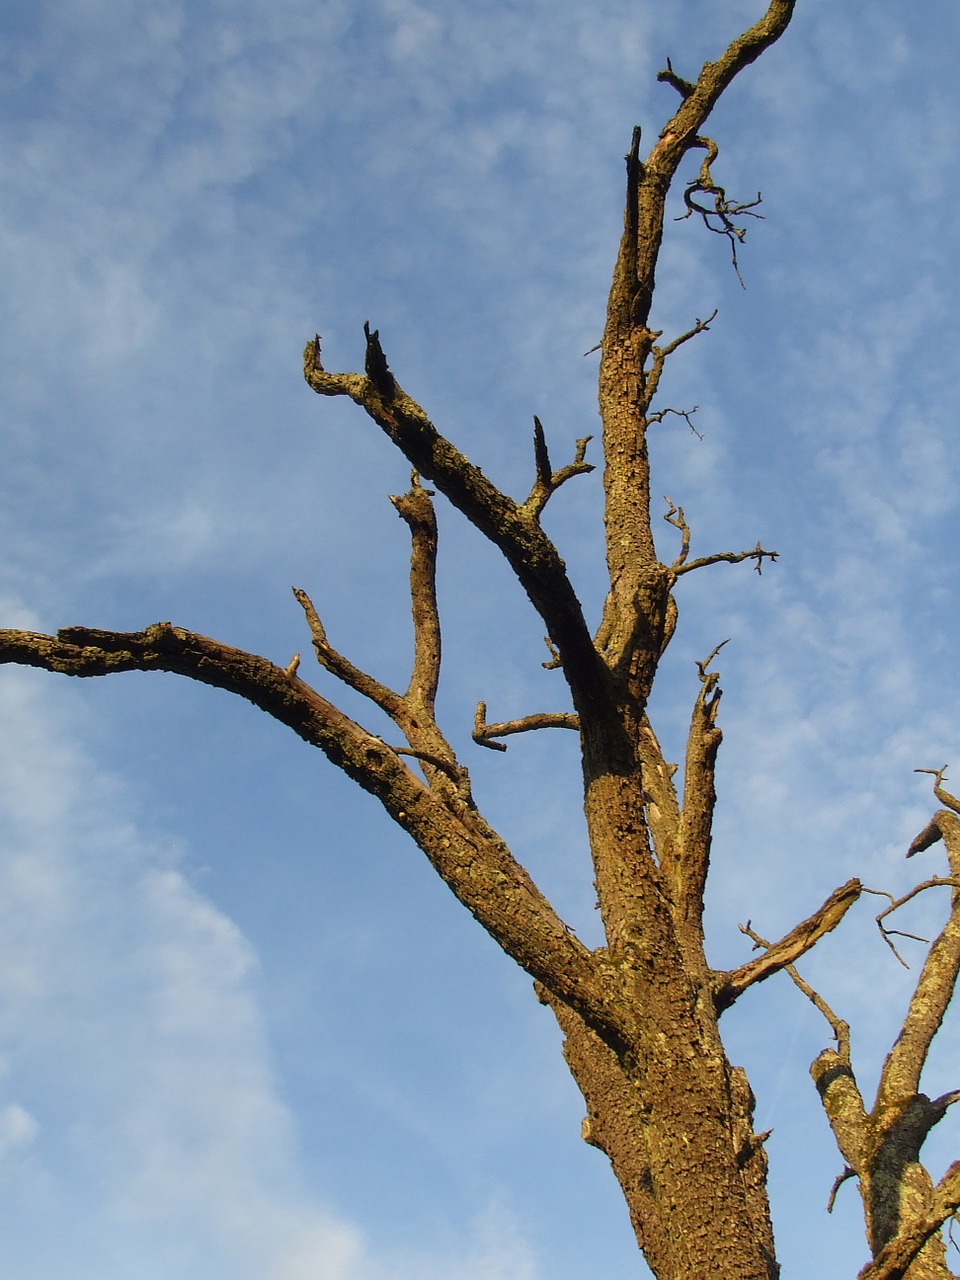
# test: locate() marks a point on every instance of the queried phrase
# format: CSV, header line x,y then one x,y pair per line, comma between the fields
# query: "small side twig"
x,y
685,414
555,662
670,77
334,662
935,882
840,1179
676,517
651,376
756,553
939,790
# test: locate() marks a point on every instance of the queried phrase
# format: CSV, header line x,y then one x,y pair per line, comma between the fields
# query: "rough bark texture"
x,y
640,1014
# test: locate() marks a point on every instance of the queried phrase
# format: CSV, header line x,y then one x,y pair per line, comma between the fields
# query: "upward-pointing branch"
x,y
510,526
628,380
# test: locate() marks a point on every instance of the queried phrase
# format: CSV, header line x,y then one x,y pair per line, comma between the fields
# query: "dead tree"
x,y
639,1014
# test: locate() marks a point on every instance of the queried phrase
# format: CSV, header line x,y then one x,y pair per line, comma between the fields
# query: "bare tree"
x,y
640,1014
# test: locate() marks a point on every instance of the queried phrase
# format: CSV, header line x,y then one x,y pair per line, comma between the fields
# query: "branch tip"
x,y
375,362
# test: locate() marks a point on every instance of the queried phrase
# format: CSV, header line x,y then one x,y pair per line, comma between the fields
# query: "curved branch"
x,y
718,218
469,856
939,790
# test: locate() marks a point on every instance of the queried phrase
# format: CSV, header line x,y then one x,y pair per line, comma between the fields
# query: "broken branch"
x,y
782,954
417,510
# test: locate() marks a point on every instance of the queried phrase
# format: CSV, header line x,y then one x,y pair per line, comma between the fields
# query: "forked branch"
x,y
659,356
513,528
413,712
548,481
674,516
938,976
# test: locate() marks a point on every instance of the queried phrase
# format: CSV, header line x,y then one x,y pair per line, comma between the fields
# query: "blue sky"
x,y
243,1033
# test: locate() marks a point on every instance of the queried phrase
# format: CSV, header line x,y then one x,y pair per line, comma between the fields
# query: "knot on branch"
x,y
415,506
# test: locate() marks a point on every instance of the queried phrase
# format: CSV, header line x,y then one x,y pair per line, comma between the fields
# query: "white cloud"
x,y
136,1076
18,1128
131,1021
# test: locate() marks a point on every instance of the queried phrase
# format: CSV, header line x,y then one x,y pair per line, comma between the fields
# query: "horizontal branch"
x,y
469,856
778,955
485,735
729,557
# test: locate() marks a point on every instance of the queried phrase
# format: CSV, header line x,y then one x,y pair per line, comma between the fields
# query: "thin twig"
x,y
732,557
